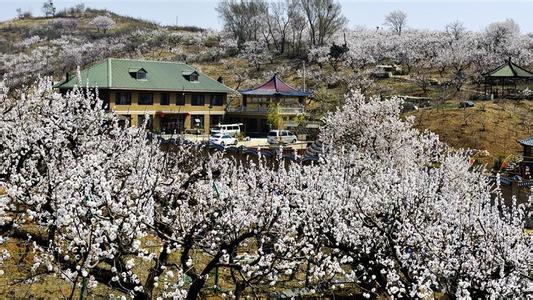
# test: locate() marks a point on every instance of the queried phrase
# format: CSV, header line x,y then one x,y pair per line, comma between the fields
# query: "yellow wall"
x,y
134,110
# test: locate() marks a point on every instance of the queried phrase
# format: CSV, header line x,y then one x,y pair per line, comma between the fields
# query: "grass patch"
x,y
491,126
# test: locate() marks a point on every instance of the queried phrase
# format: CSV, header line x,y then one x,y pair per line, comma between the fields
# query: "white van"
x,y
227,129
281,137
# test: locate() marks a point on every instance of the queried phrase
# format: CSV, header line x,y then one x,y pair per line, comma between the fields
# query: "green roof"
x,y
509,69
114,73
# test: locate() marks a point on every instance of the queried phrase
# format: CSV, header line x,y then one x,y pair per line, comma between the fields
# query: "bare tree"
x,y
49,9
278,20
456,30
324,18
243,18
396,20
298,25
68,24
467,114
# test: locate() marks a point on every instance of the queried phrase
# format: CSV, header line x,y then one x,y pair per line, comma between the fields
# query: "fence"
x,y
264,110
526,183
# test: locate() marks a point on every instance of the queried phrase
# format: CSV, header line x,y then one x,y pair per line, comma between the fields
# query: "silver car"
x,y
281,137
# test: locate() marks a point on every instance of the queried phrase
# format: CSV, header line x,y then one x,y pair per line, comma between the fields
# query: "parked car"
x,y
281,137
229,129
465,104
222,139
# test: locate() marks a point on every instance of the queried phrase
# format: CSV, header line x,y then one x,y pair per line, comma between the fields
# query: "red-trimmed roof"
x,y
275,86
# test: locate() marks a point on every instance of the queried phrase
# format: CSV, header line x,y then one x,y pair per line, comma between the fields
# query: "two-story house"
x,y
175,96
258,102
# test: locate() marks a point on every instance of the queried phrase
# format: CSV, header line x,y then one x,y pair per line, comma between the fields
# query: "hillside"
x,y
492,126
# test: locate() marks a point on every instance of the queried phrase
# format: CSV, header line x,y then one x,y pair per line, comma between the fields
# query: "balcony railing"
x,y
527,158
264,110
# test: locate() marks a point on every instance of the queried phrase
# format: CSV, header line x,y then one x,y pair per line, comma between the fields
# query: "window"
x,y
217,100
123,98
124,120
215,120
146,99
141,120
198,99
164,99
141,75
193,77
180,99
197,121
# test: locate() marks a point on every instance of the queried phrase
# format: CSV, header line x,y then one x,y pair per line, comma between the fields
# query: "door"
x,y
172,123
285,136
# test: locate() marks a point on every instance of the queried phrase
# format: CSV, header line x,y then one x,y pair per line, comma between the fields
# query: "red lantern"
x,y
161,114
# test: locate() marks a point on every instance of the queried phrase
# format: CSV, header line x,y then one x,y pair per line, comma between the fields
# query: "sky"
x,y
427,14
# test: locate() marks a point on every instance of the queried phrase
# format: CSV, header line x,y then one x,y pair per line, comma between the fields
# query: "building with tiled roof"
x,y
258,102
175,96
507,80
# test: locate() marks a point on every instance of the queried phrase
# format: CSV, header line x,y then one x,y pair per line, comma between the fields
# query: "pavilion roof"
x,y
275,87
509,70
527,142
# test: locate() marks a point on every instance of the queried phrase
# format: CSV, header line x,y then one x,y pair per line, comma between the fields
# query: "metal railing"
x,y
264,110
527,158
291,110
525,183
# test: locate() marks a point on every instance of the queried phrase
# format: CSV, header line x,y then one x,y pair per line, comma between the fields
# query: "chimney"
x,y
220,79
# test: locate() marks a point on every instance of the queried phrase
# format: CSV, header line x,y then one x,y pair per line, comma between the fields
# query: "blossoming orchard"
x,y
98,199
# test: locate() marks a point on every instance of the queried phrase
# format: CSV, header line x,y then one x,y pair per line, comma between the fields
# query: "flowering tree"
x,y
319,55
257,53
239,225
412,217
103,23
101,196
27,43
389,210
86,184
458,56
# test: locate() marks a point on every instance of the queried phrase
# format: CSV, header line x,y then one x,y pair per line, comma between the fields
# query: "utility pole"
x,y
304,74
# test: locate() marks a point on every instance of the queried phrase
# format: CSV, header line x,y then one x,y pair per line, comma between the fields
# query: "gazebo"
x,y
274,91
505,80
259,101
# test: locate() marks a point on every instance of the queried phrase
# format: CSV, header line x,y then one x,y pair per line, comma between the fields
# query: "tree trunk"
x,y
195,289
239,288
156,272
